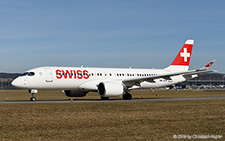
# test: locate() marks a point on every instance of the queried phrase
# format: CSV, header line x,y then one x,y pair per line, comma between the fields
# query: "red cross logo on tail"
x,y
185,54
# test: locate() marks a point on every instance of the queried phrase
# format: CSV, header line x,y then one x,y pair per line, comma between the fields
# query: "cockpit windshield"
x,y
28,74
24,74
31,74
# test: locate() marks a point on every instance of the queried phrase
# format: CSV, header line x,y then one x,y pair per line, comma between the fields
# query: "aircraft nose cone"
x,y
18,82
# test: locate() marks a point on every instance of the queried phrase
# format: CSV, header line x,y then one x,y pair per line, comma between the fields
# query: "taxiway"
x,y
114,100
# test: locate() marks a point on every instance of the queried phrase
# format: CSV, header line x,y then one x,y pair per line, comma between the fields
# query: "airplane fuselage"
x,y
76,78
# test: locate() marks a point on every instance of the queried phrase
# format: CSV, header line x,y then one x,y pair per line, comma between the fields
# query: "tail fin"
x,y
182,60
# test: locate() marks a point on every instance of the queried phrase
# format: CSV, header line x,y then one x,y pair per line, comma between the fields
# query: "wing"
x,y
168,76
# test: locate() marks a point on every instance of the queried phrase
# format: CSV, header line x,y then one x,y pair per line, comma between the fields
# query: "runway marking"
x,y
115,100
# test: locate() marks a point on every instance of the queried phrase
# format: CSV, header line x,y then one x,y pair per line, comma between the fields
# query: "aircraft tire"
x,y
104,98
127,96
33,99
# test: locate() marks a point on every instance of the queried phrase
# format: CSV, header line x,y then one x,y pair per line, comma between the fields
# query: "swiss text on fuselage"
x,y
72,74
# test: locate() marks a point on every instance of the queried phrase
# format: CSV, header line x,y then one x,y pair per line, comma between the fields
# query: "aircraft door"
x,y
49,77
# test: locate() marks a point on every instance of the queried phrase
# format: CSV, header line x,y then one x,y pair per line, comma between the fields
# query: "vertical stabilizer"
x,y
182,60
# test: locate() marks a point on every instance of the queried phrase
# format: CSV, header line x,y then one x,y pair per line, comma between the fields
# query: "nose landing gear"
x,y
33,92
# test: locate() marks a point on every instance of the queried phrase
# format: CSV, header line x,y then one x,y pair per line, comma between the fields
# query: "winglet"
x,y
206,66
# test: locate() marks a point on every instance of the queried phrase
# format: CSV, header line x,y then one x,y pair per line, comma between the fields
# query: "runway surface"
x,y
115,100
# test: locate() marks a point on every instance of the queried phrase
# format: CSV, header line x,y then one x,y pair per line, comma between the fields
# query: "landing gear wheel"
x,y
33,92
104,98
33,99
127,96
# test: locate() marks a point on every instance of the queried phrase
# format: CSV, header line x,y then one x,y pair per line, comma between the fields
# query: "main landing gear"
x,y
33,92
127,96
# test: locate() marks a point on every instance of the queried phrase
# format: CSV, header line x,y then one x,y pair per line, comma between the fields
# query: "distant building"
x,y
205,81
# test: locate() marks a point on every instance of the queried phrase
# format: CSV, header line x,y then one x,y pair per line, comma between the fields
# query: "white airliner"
x,y
109,82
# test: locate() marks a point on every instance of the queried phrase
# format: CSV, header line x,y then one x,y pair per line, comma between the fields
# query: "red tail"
x,y
184,56
182,60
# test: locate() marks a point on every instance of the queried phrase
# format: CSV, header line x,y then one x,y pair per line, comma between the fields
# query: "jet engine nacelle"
x,y
110,89
75,93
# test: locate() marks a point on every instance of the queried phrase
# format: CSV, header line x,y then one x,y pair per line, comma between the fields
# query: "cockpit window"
x,y
28,74
31,74
24,74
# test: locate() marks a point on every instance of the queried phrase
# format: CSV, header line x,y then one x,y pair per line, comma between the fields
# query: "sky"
x,y
109,33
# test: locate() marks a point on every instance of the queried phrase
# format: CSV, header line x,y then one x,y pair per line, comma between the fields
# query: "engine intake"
x,y
110,89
